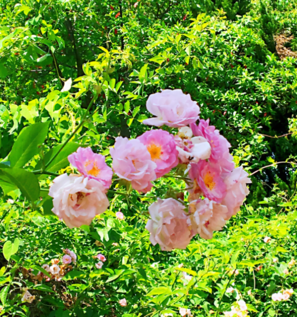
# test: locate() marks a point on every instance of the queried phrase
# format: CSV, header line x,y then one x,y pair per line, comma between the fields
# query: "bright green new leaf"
x,y
159,291
10,248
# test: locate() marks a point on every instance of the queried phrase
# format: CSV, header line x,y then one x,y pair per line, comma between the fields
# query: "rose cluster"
x,y
57,270
216,189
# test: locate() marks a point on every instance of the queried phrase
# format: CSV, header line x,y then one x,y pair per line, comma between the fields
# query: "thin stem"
x,y
271,165
176,176
276,137
45,172
74,132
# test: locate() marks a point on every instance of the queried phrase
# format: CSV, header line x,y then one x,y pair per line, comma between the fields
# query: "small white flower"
x,y
230,290
185,132
55,269
27,297
46,267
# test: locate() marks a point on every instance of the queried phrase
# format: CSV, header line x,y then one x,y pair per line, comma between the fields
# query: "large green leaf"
x,y
26,145
61,161
159,290
26,181
4,293
10,248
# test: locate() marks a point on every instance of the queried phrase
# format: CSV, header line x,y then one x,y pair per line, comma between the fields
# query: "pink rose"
x,y
91,165
101,257
162,148
132,161
120,215
72,254
77,200
99,265
169,226
219,145
123,302
171,107
236,190
210,180
66,259
207,217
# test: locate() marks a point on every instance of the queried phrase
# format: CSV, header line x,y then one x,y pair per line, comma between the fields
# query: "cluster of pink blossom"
x,y
57,270
216,188
284,295
101,259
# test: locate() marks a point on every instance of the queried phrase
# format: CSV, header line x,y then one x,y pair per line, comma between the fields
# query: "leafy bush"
x,y
223,54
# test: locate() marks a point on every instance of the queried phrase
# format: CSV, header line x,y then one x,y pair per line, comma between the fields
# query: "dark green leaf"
x,y
26,145
24,180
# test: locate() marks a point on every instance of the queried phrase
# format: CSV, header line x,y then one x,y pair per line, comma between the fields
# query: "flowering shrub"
x,y
219,188
166,111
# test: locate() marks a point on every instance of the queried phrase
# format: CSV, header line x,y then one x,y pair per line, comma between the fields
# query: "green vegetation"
x,y
83,70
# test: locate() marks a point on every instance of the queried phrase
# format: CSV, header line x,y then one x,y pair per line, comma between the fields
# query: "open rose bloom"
x,y
173,108
91,165
77,200
169,225
162,148
132,162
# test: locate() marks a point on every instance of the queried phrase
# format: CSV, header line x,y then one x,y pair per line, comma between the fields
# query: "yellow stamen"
x,y
94,171
155,151
208,180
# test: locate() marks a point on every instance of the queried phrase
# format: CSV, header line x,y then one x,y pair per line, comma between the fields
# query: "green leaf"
x,y
127,106
26,145
135,111
188,271
3,71
159,291
44,288
118,85
61,161
114,277
158,59
72,275
26,181
3,294
10,248
112,83
4,279
143,72
271,288
22,8
77,287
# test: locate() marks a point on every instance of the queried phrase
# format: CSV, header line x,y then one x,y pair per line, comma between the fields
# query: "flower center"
x,y
77,198
94,171
155,151
209,182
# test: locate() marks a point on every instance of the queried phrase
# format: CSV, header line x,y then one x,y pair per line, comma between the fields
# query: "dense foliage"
x,y
83,70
